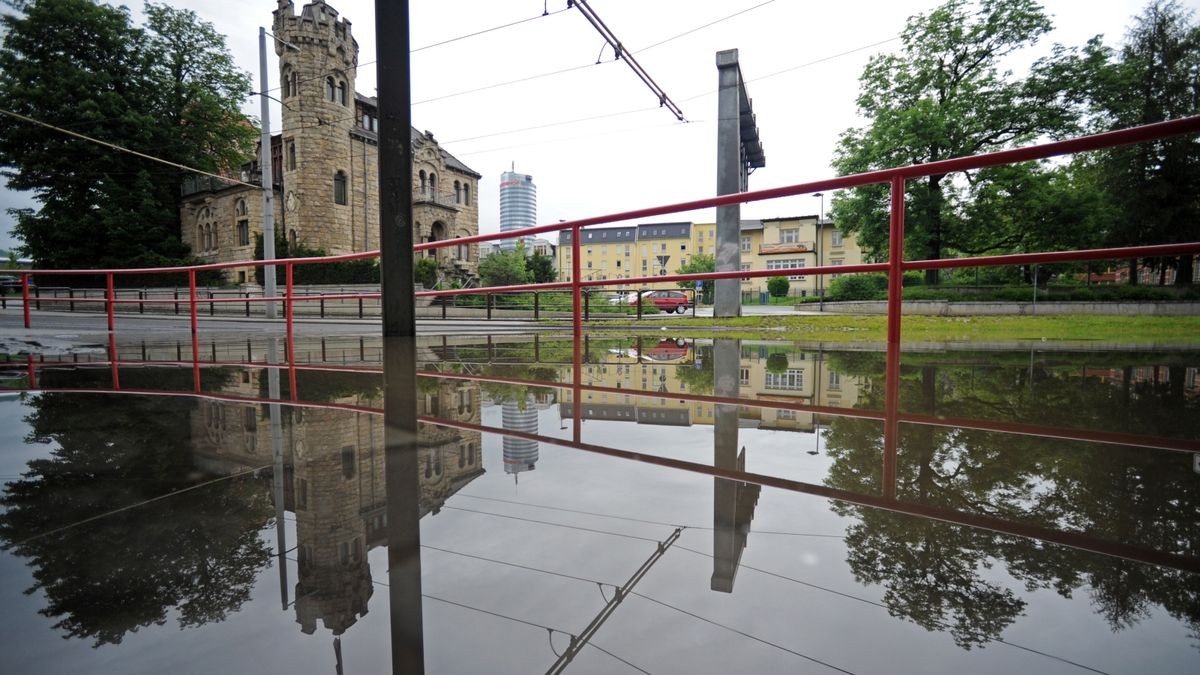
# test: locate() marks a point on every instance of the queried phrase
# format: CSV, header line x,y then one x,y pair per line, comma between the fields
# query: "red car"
x,y
669,301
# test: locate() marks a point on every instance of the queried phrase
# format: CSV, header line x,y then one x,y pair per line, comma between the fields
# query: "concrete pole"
x,y
727,545
268,182
277,466
731,178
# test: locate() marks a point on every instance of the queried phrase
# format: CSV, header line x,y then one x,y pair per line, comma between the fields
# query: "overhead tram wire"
x,y
537,76
114,146
587,65
619,50
689,98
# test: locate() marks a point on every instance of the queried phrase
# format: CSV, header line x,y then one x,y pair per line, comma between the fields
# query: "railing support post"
x,y
891,430
587,305
25,299
195,322
71,295
489,306
536,295
110,296
639,304
577,322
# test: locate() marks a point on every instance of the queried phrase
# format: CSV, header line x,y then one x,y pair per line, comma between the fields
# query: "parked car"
x,y
669,301
11,284
666,350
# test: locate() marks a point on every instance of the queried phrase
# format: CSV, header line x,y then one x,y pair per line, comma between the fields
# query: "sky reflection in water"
x,y
144,529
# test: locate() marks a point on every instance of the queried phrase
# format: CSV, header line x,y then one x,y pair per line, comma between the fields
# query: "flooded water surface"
x,y
631,505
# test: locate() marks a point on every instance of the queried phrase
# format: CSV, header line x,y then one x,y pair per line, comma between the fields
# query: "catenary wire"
x,y
114,146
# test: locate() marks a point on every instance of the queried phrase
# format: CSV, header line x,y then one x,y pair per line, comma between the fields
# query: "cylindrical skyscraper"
x,y
520,454
518,206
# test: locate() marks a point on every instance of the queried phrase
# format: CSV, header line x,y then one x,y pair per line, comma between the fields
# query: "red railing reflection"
x,y
894,267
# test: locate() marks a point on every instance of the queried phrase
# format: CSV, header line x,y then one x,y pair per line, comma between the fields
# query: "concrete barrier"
x,y
991,308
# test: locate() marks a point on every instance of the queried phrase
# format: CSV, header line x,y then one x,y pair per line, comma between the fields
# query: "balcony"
x,y
428,197
779,248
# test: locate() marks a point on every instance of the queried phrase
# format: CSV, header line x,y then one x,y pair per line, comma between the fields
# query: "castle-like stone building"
x,y
325,164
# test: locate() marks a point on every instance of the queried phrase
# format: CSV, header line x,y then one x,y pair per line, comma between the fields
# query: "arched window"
x,y
460,251
295,83
342,93
433,183
239,208
287,83
216,230
339,188
292,156
467,194
422,175
330,91
208,237
457,192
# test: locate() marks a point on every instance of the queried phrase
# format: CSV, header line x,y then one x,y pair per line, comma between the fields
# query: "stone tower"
x,y
317,85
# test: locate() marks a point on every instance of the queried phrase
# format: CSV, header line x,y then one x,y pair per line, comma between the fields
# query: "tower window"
x,y
330,89
457,192
292,156
467,194
341,93
422,175
339,188
243,228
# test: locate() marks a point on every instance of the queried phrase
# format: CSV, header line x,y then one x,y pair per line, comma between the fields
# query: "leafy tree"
x,y
169,90
541,268
1154,187
425,272
778,286
504,268
946,96
195,557
932,572
698,264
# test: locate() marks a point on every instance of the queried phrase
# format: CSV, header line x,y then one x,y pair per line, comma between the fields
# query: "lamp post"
x,y
820,277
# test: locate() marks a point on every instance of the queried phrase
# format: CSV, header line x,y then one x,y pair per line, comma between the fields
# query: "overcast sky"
x,y
632,154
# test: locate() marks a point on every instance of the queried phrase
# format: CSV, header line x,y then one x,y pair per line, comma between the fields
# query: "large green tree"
x,y
1154,187
169,90
947,95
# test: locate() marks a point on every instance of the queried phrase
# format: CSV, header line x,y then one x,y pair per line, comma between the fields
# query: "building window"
x,y
433,184
457,192
786,264
837,237
207,237
836,263
348,462
291,158
745,243
788,380
423,177
835,380
789,236
330,89
785,414
467,194
342,93
243,232
339,187
744,376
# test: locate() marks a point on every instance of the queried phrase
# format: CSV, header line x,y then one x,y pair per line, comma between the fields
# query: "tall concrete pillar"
x,y
731,178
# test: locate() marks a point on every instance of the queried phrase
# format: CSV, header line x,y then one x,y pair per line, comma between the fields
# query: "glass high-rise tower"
x,y
518,206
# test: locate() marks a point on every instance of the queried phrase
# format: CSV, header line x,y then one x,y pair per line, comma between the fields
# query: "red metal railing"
x,y
894,267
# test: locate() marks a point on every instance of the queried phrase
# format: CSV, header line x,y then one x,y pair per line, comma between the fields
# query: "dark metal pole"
x,y
398,307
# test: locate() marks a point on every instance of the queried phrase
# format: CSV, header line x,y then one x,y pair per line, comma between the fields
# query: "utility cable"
x,y
440,43
700,28
126,150
742,633
546,522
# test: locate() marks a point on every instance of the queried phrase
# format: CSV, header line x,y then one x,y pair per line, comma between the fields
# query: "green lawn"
x,y
1124,329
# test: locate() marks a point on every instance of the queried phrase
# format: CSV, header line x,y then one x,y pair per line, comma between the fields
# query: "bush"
x,y
425,272
777,363
778,286
859,287
365,271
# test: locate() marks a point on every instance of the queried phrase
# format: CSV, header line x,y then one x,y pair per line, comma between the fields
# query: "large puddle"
x,y
699,506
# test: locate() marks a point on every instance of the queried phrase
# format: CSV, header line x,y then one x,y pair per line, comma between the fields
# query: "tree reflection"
x,y
935,574
196,552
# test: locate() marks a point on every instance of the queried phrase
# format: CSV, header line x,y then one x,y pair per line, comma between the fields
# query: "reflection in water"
x,y
349,489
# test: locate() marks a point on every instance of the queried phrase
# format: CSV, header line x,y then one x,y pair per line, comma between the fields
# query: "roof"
x,y
450,160
664,230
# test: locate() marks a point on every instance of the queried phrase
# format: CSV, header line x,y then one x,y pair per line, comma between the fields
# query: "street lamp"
x,y
820,277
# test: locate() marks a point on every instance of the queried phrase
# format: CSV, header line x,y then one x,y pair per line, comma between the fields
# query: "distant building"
x,y
325,165
659,249
518,206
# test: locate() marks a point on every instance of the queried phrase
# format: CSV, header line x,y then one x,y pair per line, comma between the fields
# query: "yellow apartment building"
x,y
807,380
659,249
